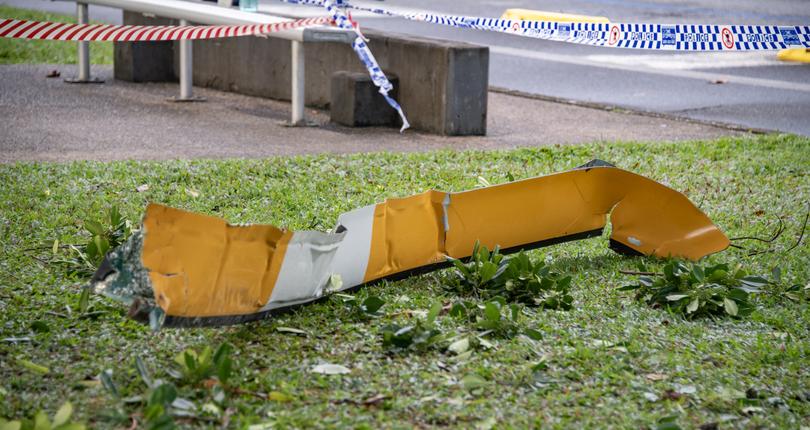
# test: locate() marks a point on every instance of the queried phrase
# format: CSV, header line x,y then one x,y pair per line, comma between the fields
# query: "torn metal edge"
x,y
185,322
128,281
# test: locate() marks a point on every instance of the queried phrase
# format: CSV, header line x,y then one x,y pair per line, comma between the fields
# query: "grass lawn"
x,y
608,362
15,51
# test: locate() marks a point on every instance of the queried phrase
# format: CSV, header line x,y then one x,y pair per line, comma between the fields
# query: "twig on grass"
x,y
795,245
779,230
56,314
633,272
801,234
237,390
226,418
48,247
41,261
777,233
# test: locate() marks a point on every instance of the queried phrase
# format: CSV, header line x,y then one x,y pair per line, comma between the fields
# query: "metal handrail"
x,y
211,14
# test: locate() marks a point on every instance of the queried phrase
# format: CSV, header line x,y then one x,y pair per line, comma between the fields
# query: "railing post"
x,y
298,84
186,71
83,76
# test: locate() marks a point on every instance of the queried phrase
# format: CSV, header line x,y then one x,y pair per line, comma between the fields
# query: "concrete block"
x,y
465,111
443,84
144,61
357,102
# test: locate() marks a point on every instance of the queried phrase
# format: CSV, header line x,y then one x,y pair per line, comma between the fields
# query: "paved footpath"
x,y
47,120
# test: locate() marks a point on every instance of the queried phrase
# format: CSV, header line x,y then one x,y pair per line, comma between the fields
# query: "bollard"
x,y
83,76
186,71
297,96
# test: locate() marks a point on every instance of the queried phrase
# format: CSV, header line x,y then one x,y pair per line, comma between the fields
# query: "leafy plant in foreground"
x,y
161,401
479,275
196,367
779,289
420,336
797,293
533,283
106,236
518,279
698,291
158,406
61,421
83,260
495,317
361,309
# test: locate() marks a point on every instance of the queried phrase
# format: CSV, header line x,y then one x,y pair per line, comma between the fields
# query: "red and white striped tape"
x,y
21,29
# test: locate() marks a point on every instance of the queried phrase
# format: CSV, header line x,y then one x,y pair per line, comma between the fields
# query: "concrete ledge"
x,y
443,84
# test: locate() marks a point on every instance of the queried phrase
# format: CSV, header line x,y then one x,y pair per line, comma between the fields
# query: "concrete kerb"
x,y
631,111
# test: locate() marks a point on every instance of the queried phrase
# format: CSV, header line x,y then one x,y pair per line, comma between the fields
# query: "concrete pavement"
x,y
45,119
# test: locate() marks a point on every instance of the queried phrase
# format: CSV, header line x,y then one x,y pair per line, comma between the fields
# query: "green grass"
x,y
17,51
598,355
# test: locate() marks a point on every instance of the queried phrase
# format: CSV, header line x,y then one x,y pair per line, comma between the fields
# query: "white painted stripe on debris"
x,y
305,270
351,260
687,74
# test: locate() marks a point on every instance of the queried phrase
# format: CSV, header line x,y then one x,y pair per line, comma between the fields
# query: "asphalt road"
x,y
748,89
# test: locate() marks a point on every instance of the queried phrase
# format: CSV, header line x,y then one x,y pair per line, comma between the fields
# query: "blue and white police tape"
x,y
675,37
364,53
678,37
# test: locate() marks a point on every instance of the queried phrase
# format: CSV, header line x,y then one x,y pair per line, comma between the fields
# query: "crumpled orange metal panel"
x,y
407,233
204,269
645,216
201,266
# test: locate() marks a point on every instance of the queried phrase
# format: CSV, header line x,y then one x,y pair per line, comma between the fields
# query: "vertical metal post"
x,y
186,60
186,71
298,84
83,72
84,47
